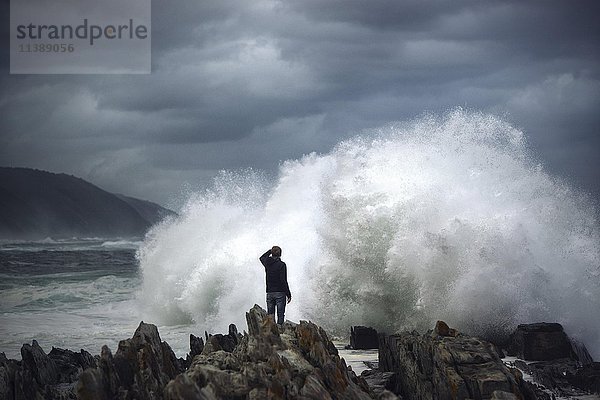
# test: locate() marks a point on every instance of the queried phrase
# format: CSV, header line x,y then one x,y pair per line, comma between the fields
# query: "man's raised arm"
x,y
263,259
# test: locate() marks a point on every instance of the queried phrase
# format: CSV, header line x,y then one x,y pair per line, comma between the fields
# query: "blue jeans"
x,y
276,299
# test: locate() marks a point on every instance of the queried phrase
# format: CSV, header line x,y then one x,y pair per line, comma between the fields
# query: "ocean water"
x,y
69,293
445,217
75,294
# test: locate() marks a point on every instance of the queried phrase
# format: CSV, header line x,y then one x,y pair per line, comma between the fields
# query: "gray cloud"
x,y
248,84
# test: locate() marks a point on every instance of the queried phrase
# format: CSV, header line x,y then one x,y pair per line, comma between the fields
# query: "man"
x,y
277,286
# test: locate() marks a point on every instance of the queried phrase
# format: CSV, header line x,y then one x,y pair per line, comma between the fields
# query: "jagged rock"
x,y
102,382
363,338
254,319
262,336
551,374
540,342
196,347
500,395
296,361
222,342
42,368
185,387
564,377
588,377
537,392
372,364
380,382
581,352
299,362
140,369
387,395
563,366
8,368
445,367
442,329
39,375
69,365
234,334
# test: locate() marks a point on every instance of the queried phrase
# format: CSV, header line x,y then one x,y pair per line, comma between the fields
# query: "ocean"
x,y
76,293
82,294
442,218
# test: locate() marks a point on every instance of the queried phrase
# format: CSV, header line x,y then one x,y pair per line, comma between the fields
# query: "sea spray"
x,y
445,217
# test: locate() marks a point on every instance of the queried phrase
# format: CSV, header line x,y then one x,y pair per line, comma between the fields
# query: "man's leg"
x,y
271,300
280,308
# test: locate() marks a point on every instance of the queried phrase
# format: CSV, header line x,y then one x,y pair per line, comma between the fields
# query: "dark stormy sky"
x,y
238,84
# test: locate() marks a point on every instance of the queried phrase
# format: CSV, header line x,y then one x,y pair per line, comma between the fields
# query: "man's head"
x,y
276,251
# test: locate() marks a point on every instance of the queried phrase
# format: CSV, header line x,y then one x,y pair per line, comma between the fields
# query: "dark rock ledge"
x,y
559,366
298,363
445,364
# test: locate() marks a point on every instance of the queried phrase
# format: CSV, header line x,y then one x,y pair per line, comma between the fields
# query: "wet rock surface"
x,y
562,377
557,365
381,383
540,342
140,368
363,338
299,362
41,375
588,377
196,347
444,364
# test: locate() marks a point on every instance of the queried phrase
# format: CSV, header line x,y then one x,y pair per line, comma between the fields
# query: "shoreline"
x,y
300,358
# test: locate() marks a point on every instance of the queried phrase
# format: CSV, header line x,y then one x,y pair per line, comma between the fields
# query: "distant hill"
x,y
36,204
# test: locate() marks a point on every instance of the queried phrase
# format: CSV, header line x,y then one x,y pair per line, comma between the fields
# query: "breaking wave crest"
x,y
445,217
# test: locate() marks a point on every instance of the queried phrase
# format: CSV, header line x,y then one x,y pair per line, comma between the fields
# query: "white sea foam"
x,y
441,218
126,244
59,295
69,313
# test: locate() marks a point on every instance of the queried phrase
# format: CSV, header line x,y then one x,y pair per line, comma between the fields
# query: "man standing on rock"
x,y
277,285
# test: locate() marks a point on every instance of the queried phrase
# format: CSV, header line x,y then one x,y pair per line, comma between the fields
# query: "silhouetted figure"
x,y
277,285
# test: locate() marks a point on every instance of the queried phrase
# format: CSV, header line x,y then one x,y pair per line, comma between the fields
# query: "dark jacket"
x,y
276,272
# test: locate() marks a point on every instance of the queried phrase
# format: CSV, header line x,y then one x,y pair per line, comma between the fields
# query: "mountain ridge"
x,y
35,204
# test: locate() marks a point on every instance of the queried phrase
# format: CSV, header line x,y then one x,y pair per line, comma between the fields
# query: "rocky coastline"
x,y
445,364
300,362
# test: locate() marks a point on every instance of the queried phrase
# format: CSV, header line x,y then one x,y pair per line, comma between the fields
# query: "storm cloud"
x,y
239,84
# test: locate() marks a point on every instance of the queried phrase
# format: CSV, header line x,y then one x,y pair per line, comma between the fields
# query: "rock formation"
x,y
444,364
41,375
562,366
540,342
363,338
381,383
299,362
140,368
